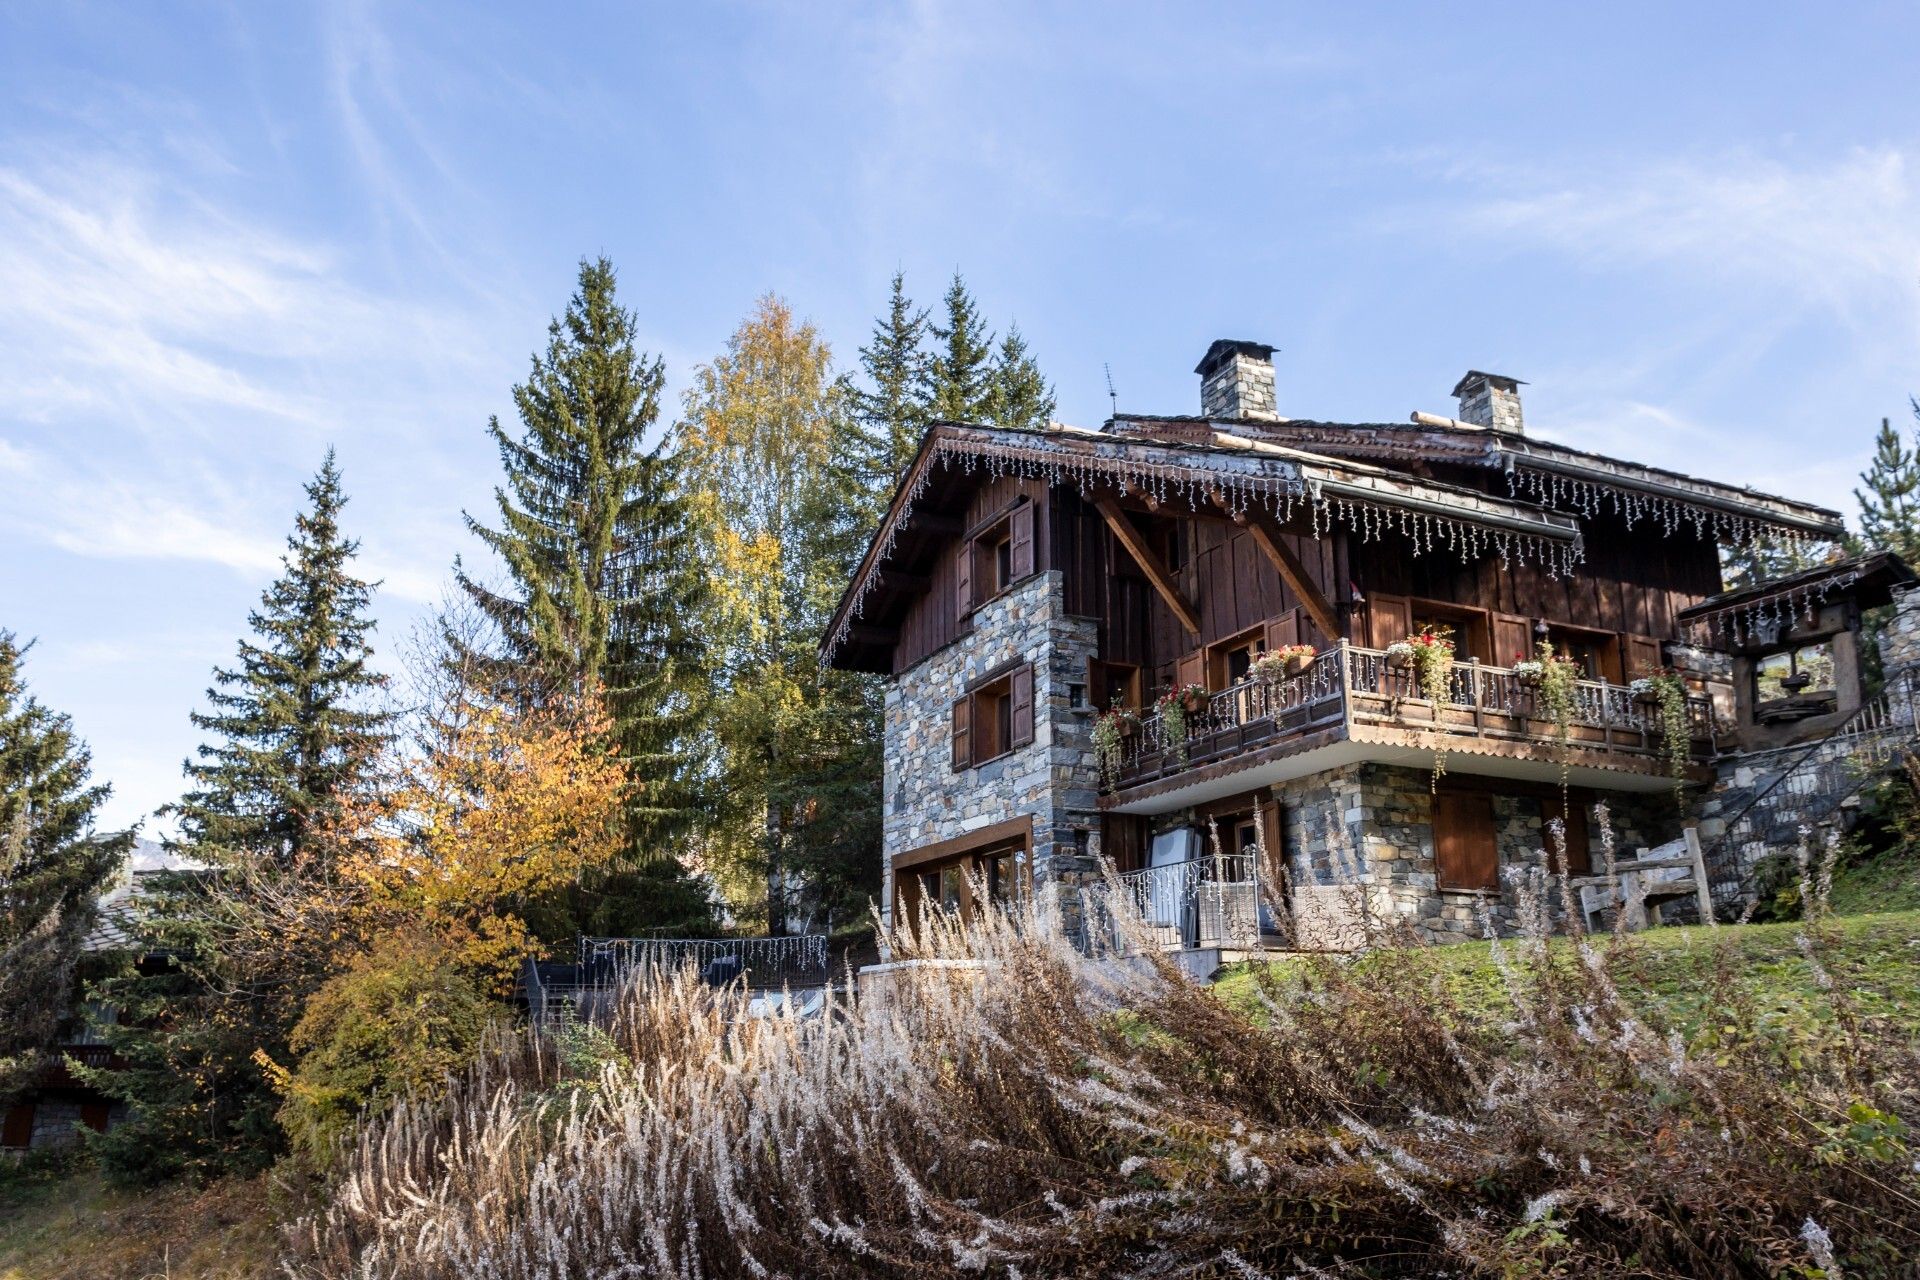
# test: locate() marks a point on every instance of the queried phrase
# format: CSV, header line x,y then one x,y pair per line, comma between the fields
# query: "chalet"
x,y
1177,639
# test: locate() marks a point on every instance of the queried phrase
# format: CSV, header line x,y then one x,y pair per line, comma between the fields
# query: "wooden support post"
x,y
1294,574
1702,891
1150,563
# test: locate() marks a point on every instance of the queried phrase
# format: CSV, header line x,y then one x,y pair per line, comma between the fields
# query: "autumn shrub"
x,y
1000,1104
401,1020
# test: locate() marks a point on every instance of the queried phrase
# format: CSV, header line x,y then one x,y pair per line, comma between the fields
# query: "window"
x,y
957,882
1172,539
996,717
1113,684
993,558
1805,672
1465,853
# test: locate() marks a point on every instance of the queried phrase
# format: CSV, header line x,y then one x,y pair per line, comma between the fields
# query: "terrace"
x,y
1354,704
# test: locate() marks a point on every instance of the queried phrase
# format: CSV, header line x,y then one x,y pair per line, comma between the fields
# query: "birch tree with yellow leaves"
x,y
763,442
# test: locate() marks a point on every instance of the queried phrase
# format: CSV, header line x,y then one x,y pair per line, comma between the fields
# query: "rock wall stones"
x,y
1373,825
1053,780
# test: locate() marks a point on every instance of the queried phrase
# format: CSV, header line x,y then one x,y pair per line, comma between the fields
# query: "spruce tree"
x,y
594,532
889,413
959,378
53,867
1018,395
1890,500
297,732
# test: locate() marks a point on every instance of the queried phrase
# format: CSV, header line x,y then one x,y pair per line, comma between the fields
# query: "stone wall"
x,y
1375,822
1053,780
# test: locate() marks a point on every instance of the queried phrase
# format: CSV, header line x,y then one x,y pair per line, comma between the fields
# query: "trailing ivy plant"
x,y
1676,734
1173,724
1559,679
1173,719
1109,739
1433,672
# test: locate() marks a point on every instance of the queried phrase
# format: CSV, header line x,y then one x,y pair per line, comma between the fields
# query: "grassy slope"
x,y
1684,975
78,1229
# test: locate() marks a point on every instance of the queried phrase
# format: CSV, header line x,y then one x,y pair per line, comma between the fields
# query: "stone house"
x,y
1084,634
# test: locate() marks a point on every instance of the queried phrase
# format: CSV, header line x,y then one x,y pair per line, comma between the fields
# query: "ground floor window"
x,y
963,875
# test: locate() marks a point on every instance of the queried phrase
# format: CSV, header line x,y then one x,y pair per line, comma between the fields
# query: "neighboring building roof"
x,y
1867,580
1239,470
146,862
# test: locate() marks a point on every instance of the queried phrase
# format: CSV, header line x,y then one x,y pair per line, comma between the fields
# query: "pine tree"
x,y
959,379
298,734
595,536
1018,396
888,412
53,867
1890,501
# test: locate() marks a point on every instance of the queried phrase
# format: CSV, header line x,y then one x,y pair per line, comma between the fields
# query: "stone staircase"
x,y
1809,785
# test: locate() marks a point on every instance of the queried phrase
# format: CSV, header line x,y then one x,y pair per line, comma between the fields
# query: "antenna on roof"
x,y
1111,393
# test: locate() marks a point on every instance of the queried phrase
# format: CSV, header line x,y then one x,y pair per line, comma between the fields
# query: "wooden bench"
x,y
1645,881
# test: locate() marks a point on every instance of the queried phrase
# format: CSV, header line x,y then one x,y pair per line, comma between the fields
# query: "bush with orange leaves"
x,y
505,808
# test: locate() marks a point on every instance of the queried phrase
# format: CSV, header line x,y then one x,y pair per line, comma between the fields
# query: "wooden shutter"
x,y
1283,630
17,1129
1020,534
1098,677
1267,814
1124,841
963,732
1020,690
1641,653
963,581
1389,619
1579,843
1464,852
1512,635
1191,669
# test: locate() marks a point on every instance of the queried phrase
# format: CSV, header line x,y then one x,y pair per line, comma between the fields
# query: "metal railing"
x,y
1350,682
586,989
1811,783
1210,901
799,960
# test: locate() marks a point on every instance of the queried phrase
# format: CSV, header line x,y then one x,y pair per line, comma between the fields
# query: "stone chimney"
x,y
1236,381
1491,400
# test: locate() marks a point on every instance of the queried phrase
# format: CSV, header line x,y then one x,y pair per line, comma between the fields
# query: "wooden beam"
x,y
861,633
1150,564
1294,574
1219,500
901,580
1133,490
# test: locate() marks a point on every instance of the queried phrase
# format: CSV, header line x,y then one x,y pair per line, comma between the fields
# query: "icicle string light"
x,y
1244,483
1590,498
1763,620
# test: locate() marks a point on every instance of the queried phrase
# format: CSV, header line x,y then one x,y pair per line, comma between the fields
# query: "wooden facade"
x,y
1623,600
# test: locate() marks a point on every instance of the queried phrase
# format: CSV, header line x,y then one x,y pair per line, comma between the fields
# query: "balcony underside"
x,y
1331,748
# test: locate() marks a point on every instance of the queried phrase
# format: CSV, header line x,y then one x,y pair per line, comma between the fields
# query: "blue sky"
x,y
231,235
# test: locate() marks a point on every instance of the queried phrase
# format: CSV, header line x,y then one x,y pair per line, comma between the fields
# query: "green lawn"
x,y
1695,979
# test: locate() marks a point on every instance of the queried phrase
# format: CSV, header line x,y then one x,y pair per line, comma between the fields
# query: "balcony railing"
x,y
1211,901
1349,686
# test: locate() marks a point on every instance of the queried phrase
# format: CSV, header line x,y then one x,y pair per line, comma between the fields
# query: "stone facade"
x,y
1053,780
1373,824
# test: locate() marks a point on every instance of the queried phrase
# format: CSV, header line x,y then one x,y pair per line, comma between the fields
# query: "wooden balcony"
x,y
1353,704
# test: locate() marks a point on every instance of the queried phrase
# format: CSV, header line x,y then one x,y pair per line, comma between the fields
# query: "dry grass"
x,y
1012,1108
77,1228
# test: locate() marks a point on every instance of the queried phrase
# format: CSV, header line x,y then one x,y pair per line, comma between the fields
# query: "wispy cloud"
x,y
1843,234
